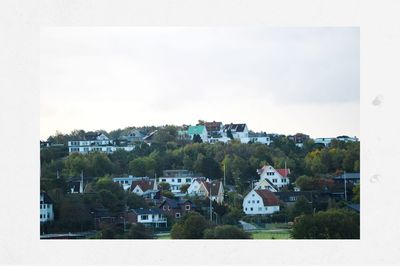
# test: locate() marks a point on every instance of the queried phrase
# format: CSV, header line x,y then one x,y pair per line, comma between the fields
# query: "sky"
x,y
277,80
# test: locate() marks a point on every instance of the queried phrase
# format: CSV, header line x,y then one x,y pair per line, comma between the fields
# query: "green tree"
x,y
229,134
301,207
191,226
356,193
142,166
331,224
184,188
197,138
226,232
139,231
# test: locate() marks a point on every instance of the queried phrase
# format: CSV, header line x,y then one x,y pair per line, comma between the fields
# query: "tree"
x,y
164,186
229,134
134,201
197,138
331,224
73,215
301,207
191,226
356,193
139,231
166,134
142,166
184,188
226,232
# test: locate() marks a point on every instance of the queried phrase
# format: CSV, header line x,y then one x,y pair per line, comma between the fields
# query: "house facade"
x,y
126,182
239,131
278,177
46,208
146,188
265,184
199,130
206,188
150,217
177,178
261,202
95,143
176,208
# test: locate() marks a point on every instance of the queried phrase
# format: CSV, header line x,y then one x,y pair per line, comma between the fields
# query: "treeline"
x,y
240,161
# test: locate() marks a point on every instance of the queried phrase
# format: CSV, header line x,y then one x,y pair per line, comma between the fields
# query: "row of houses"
x,y
300,138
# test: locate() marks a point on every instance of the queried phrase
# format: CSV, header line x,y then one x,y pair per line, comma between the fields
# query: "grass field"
x,y
266,234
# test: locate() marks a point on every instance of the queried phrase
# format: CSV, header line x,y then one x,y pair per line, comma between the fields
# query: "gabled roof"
x,y
143,184
235,127
141,211
196,130
214,187
269,198
175,204
283,172
271,184
46,198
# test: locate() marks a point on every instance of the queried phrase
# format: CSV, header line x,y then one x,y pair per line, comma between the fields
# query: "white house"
x,y
96,142
266,184
239,131
325,141
46,208
177,178
146,188
257,138
126,182
278,177
260,202
153,217
207,188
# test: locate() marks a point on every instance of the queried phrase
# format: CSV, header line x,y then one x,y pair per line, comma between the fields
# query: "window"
x,y
253,201
266,208
40,216
44,206
251,209
187,207
163,180
258,201
41,206
144,217
188,180
177,215
48,215
179,180
248,201
173,180
259,208
164,207
252,195
274,180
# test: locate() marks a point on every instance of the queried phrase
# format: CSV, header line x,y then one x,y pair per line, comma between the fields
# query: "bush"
x,y
331,224
226,232
191,226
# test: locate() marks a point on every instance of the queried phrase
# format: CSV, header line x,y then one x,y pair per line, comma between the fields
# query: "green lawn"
x,y
166,236
265,234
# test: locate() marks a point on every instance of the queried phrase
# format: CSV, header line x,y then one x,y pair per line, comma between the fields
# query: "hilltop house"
x,y
239,131
278,177
176,208
299,139
46,208
198,130
260,201
257,138
95,142
126,182
266,184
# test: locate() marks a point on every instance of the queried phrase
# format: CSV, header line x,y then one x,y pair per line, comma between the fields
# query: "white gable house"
x,y
278,177
260,202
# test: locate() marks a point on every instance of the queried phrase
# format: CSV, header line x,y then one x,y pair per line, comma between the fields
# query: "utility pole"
x,y
224,175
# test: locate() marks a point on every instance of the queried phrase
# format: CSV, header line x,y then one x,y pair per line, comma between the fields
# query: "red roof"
x,y
283,172
268,197
143,184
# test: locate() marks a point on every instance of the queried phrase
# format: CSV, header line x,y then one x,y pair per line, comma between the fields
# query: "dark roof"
x,y
175,204
214,187
147,211
235,127
285,196
91,136
213,126
268,197
46,198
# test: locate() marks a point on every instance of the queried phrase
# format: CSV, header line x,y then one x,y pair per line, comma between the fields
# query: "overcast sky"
x,y
278,80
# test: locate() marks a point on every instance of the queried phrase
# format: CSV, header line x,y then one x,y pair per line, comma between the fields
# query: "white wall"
x,y
253,204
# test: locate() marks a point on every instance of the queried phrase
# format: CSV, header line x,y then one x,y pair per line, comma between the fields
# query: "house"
x,y
257,138
126,182
213,127
46,208
299,139
149,217
177,178
95,142
215,191
261,201
278,177
353,178
198,130
146,188
239,131
266,184
325,141
150,137
134,136
197,188
347,138
176,208
290,197
206,188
